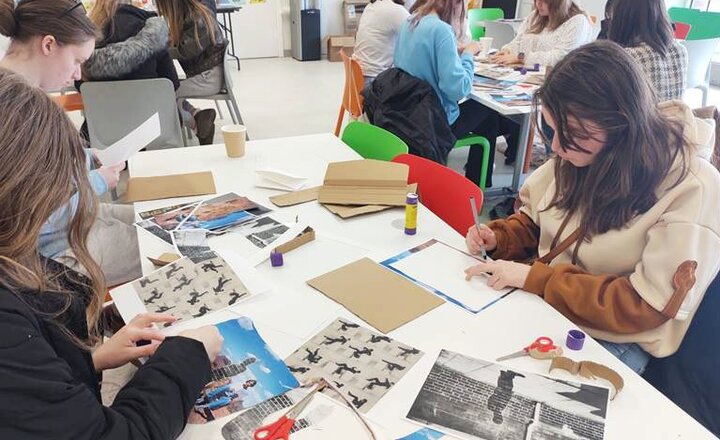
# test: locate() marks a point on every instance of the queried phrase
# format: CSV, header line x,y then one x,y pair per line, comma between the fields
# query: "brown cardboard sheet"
x,y
296,197
364,182
165,187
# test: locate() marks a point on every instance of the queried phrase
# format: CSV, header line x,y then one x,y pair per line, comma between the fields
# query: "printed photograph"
x,y
263,231
193,243
246,373
475,399
155,229
153,212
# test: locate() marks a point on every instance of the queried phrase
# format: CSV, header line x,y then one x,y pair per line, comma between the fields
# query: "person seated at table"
x,y
643,28
605,22
375,40
52,61
554,28
199,45
431,46
49,331
620,229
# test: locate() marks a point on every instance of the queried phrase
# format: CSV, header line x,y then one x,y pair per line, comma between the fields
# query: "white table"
x,y
293,312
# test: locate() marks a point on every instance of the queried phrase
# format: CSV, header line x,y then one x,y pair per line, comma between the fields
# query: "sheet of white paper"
x,y
441,268
276,179
133,142
250,277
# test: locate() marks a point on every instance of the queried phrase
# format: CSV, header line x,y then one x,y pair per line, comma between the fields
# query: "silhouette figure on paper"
x,y
500,398
343,367
376,382
221,283
375,339
344,326
194,295
357,352
338,385
330,341
163,308
405,352
234,296
202,311
154,294
145,281
173,270
301,370
312,356
391,366
210,266
357,403
183,282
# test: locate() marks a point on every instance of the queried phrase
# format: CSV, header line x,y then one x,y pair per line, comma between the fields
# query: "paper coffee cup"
x,y
234,137
485,44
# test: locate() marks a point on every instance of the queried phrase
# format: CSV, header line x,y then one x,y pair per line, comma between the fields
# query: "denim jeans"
x,y
630,354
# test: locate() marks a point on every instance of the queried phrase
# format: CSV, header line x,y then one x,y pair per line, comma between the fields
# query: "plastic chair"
x,y
700,53
115,108
473,139
352,100
477,17
501,33
70,102
373,142
443,191
705,25
681,30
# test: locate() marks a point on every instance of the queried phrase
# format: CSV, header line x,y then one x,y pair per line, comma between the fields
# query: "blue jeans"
x,y
630,354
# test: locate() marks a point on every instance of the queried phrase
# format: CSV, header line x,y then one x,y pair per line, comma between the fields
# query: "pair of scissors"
x,y
280,429
542,348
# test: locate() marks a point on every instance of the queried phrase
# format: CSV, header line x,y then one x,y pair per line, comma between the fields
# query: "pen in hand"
x,y
475,213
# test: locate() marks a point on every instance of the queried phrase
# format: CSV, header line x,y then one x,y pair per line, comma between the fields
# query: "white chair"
x,y
700,53
501,33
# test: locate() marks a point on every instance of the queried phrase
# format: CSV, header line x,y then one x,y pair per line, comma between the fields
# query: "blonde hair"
x,y
560,12
42,164
176,11
451,12
103,12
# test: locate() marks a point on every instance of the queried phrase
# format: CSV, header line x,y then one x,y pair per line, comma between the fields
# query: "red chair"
x,y
443,191
681,30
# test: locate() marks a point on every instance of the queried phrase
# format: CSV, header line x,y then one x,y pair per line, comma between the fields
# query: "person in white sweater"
x,y
554,28
375,41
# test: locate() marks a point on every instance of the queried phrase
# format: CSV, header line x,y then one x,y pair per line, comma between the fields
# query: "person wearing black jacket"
x,y
50,360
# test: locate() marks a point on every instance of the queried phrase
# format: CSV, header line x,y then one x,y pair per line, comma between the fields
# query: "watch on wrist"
x,y
521,57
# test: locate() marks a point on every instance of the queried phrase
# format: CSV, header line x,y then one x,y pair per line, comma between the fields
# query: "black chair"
x,y
691,377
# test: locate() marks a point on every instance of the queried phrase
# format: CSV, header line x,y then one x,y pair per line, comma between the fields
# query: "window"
x,y
706,5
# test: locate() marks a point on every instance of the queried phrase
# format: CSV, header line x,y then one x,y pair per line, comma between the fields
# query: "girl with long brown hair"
x,y
50,40
620,230
49,316
199,46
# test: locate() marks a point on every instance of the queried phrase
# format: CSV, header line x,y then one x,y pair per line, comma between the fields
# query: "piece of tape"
x,y
590,370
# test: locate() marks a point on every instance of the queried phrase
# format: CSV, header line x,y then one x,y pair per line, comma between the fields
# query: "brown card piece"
x,y
165,187
305,237
376,294
349,211
365,182
296,197
164,259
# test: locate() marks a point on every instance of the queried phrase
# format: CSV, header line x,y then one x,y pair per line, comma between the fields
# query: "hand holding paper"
x,y
133,142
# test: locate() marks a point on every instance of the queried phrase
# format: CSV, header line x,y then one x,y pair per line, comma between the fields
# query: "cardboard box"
x,y
365,182
337,43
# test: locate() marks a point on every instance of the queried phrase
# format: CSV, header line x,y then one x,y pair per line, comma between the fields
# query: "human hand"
x,y
210,337
111,174
122,347
505,58
501,273
481,239
471,47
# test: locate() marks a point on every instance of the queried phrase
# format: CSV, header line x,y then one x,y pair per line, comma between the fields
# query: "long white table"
x,y
293,312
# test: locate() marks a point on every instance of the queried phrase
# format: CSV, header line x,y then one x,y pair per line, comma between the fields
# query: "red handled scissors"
x,y
542,348
280,429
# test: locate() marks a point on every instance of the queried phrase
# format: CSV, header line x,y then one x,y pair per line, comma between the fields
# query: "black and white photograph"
x,y
475,399
193,243
263,231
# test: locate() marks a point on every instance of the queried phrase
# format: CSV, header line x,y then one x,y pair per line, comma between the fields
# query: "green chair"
x,y
477,16
373,142
473,139
705,25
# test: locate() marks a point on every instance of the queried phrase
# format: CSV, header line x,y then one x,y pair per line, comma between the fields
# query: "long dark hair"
x,y
641,21
176,12
600,83
63,19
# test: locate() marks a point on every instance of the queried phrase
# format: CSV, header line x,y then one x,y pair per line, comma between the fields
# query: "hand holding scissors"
x,y
542,348
280,429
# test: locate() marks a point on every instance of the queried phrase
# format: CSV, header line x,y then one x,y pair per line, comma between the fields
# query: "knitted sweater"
x,y
667,74
548,47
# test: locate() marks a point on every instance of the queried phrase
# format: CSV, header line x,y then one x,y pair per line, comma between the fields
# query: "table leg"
x,y
232,43
512,190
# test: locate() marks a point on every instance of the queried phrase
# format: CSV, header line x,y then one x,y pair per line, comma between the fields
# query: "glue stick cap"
x,y
276,259
575,340
411,199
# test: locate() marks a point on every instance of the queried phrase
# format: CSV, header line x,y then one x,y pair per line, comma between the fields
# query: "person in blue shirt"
x,y
431,46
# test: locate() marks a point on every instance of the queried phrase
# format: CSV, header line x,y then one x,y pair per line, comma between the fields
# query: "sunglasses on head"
x,y
72,7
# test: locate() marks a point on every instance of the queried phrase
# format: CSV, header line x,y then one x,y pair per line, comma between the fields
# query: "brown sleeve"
x,y
602,302
517,238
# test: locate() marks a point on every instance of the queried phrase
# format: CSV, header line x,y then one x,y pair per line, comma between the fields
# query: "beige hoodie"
x,y
642,283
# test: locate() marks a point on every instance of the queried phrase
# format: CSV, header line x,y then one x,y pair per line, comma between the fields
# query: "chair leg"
x,y
232,112
339,122
704,89
217,106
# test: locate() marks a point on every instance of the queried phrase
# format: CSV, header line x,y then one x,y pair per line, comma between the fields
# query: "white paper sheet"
x,y
276,179
440,268
131,143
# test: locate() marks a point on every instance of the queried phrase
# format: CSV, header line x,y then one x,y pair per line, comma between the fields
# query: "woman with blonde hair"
x,y
199,45
50,361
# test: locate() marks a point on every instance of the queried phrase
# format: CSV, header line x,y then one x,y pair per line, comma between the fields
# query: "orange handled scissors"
x,y
280,429
542,348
